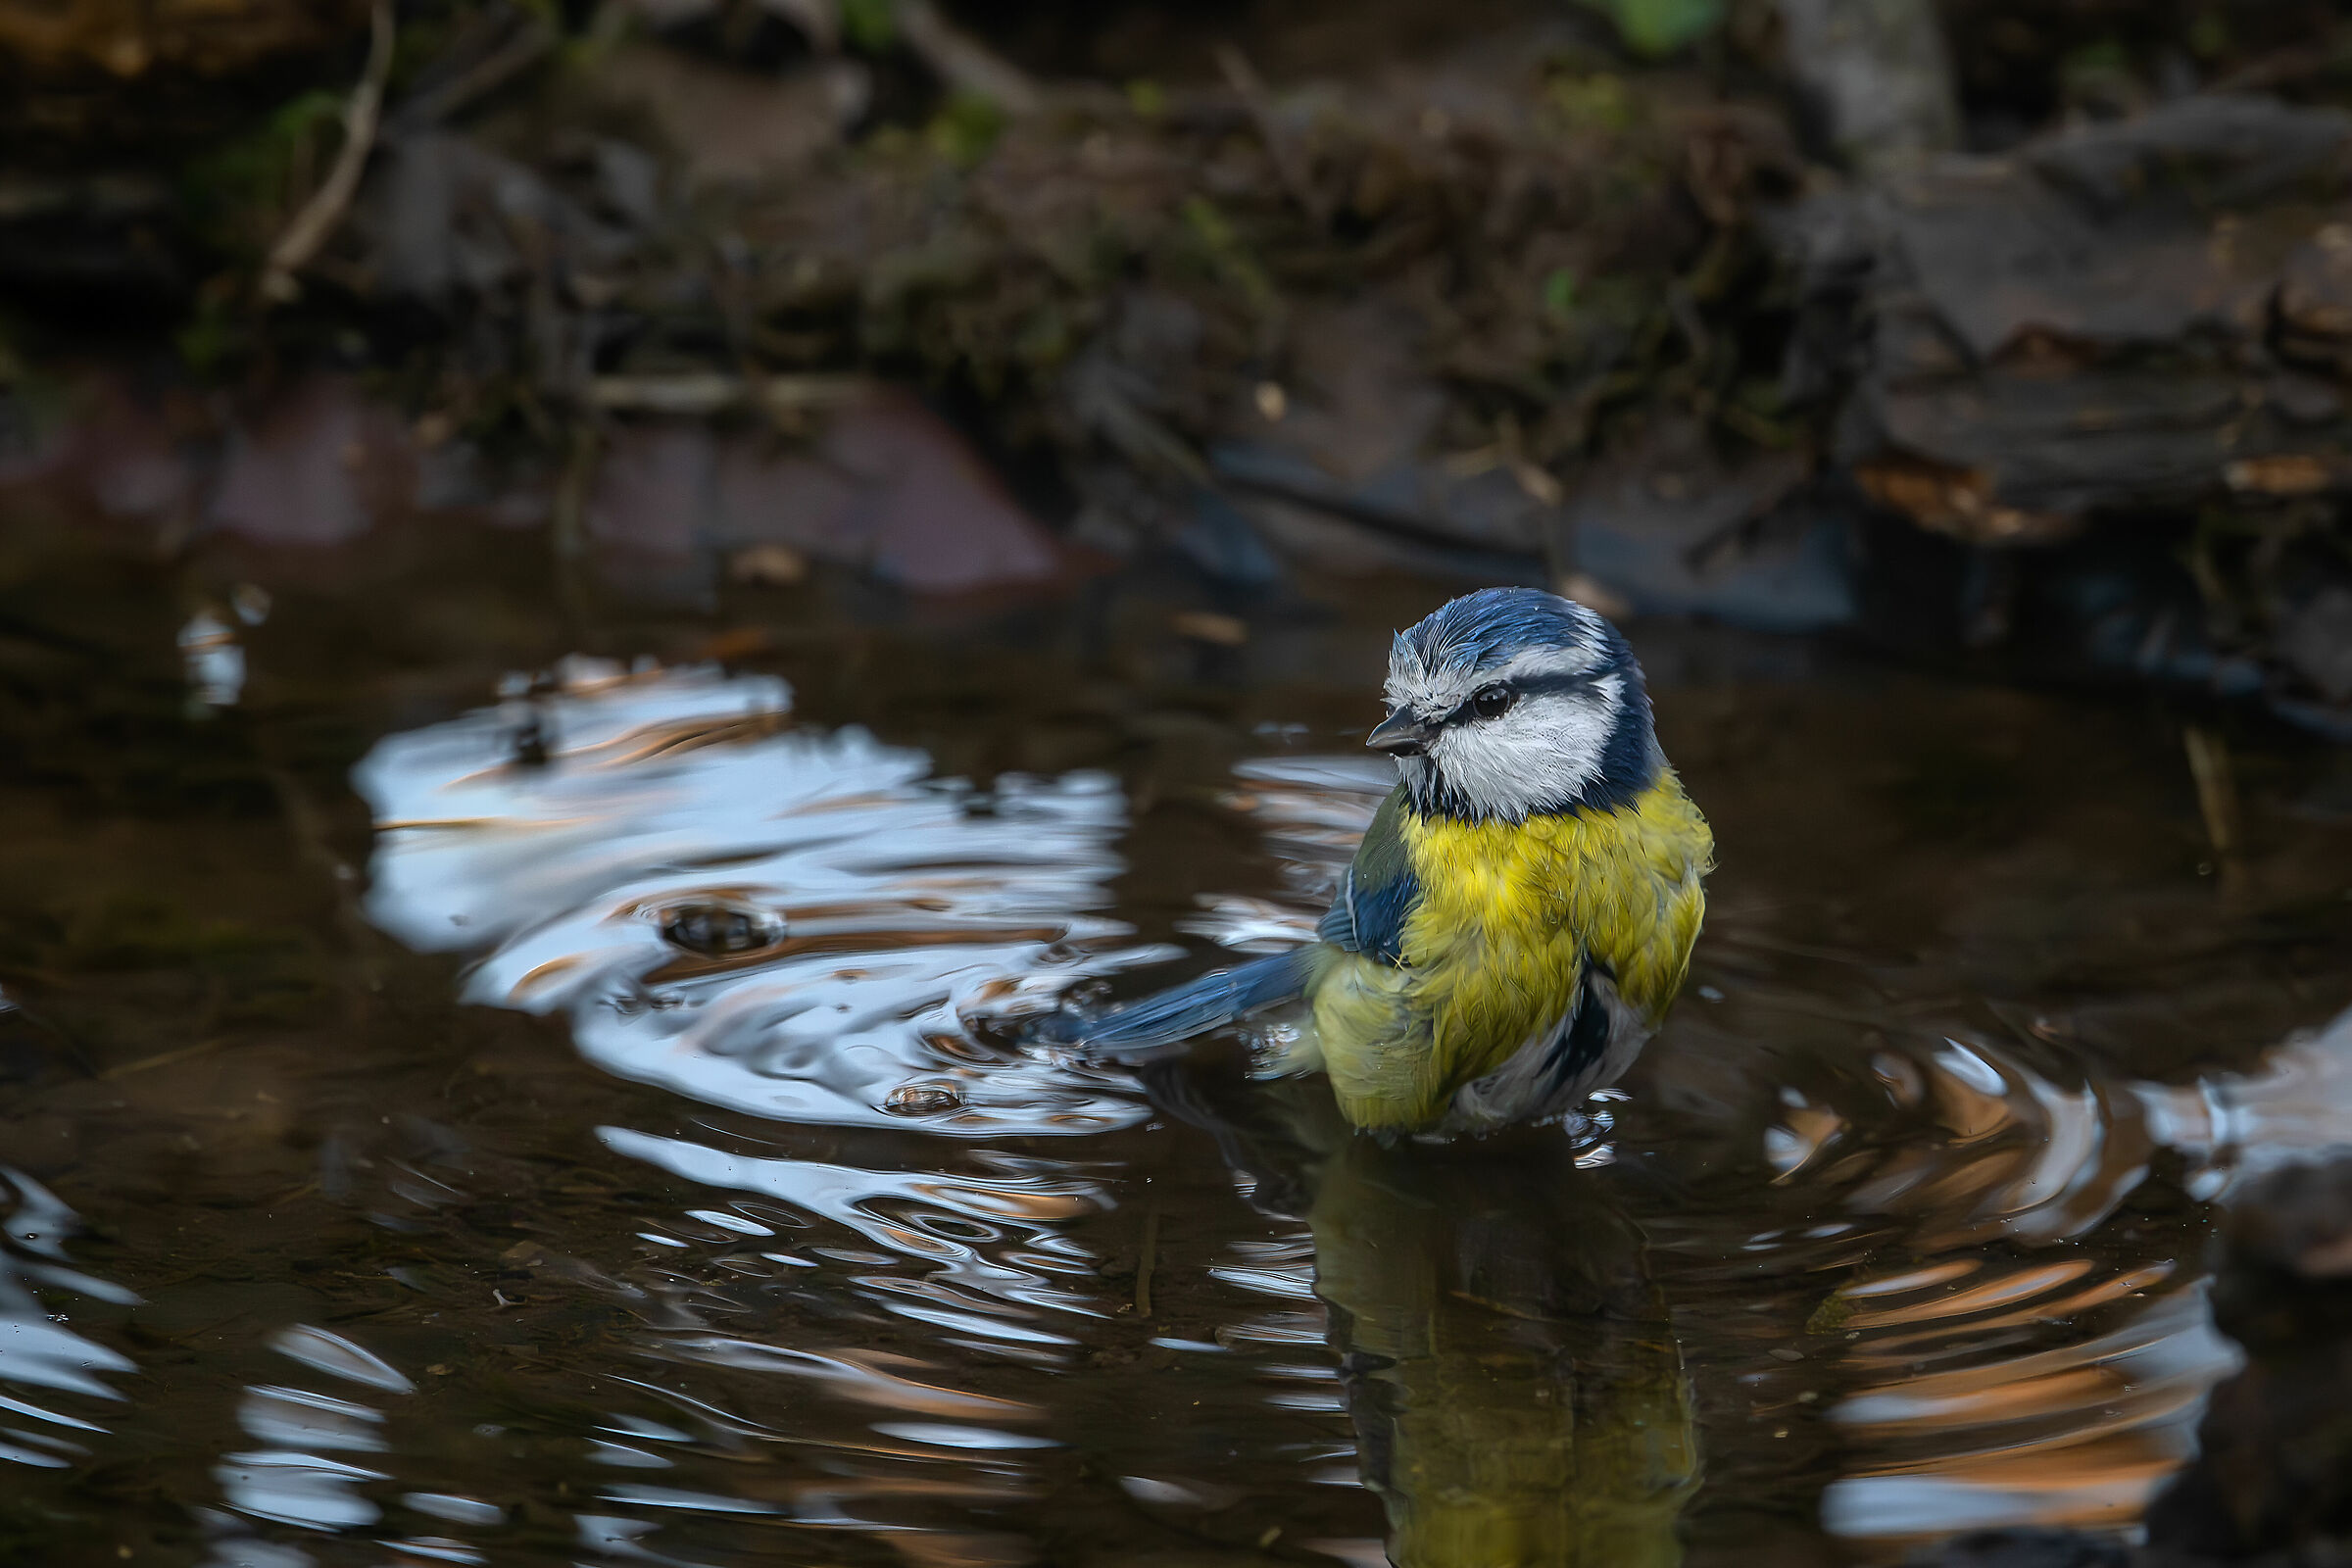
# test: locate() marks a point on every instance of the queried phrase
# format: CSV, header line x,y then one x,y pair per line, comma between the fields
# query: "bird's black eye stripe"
x,y
1492,702
1488,701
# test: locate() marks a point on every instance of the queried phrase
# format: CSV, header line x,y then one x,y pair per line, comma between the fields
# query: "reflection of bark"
x,y
1876,72
1517,1392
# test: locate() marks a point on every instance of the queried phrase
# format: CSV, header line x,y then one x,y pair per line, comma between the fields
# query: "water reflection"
x,y
1510,1366
2011,1374
796,924
1915,1271
2082,1432
316,1458
960,1228
46,1369
2045,1359
1532,1407
806,927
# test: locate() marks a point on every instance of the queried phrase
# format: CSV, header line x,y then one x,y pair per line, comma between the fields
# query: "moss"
x,y
240,193
1659,28
870,27
965,129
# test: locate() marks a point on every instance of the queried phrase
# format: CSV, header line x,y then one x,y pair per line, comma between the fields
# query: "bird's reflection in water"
x,y
1512,1374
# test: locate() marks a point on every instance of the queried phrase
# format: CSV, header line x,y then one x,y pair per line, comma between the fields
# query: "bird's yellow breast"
x,y
1495,947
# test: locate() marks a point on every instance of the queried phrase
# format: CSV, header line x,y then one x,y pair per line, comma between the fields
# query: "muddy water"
x,y
500,1073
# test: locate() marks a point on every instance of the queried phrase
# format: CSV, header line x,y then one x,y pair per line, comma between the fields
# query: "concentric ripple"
x,y
796,924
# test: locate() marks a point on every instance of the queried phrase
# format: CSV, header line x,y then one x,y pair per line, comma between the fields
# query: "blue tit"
x,y
1521,911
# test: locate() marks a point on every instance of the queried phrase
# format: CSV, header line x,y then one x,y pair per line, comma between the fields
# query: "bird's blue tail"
x,y
1184,1010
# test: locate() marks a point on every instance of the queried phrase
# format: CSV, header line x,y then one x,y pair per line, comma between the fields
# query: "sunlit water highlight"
x,y
855,925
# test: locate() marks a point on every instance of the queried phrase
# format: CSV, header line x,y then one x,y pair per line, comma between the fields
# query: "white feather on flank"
x,y
1546,750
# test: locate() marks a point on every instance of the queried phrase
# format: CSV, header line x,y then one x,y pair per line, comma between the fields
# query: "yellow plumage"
x,y
1521,909
1495,948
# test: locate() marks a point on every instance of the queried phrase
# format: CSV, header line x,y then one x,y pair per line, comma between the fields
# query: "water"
x,y
505,1074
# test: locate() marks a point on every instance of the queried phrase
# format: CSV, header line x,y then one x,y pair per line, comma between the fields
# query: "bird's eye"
x,y
1492,701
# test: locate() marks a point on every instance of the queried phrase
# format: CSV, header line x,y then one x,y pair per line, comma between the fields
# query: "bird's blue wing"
x,y
1367,916
1377,892
1184,1010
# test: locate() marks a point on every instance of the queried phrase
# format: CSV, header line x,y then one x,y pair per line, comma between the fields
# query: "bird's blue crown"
x,y
1488,628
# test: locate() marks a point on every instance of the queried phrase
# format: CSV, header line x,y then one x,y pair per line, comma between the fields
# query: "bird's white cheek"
x,y
1543,755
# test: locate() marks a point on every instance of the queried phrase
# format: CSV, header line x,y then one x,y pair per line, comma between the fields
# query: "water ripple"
x,y
809,928
2008,1375
37,1352
794,924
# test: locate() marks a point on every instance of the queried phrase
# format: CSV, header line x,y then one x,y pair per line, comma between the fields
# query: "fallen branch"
x,y
963,62
320,215
819,20
532,41
699,395
1251,88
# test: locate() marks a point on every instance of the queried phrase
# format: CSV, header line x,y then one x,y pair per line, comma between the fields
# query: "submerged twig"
x,y
307,826
2216,787
1143,1265
569,531
163,1059
320,215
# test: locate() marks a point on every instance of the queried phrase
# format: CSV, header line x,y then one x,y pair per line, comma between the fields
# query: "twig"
x,y
2216,786
1142,1266
320,215
1251,88
569,533
820,22
181,1055
963,62
307,828
530,43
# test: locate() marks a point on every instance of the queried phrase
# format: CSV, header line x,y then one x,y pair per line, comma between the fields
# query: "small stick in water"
x,y
2216,787
1142,1266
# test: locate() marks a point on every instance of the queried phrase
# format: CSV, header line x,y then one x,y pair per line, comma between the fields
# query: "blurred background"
x,y
599,601
2008,335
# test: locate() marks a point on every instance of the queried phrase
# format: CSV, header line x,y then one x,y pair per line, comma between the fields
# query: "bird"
x,y
1521,911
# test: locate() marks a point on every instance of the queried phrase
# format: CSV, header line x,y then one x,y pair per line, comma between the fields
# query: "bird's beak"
x,y
1401,734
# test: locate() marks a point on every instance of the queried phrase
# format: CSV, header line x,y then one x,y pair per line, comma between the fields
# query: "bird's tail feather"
x,y
1187,1009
